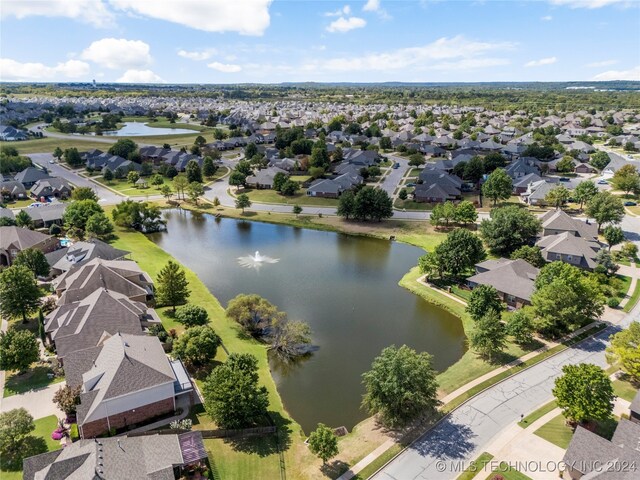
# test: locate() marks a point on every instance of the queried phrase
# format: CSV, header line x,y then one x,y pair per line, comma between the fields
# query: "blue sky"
x,y
233,41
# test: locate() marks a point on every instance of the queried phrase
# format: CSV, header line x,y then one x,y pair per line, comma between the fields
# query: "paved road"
x,y
463,435
391,181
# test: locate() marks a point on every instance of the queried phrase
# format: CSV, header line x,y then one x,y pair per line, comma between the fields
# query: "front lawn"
x,y
505,472
556,431
476,466
536,414
300,198
411,205
623,388
33,379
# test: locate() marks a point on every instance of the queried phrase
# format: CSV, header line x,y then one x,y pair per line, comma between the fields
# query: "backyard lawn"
x,y
33,379
300,198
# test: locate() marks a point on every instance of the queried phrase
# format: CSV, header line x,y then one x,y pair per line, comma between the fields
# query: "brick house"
x,y
15,239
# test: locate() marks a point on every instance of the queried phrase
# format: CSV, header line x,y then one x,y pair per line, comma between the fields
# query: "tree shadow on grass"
x,y
334,469
265,445
30,446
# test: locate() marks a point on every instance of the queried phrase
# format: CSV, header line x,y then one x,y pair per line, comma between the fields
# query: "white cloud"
x,y
546,18
541,62
371,6
13,70
225,67
590,4
604,63
343,25
198,55
139,76
632,74
346,10
247,17
94,12
118,53
456,53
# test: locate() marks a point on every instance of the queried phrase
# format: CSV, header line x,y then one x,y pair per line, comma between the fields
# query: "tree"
x,y
140,216
98,226
34,260
166,192
584,192
77,213
347,205
180,184
133,176
584,393
629,250
250,150
373,203
489,334
509,229
195,190
531,255
520,326
19,349
72,157
460,251
565,165
107,175
385,143
289,339
123,148
289,188
23,219
474,169
193,172
319,155
557,196
232,396
483,299
172,287
297,210
57,153
403,195
498,186
15,441
209,169
400,386
197,346
192,315
492,161
237,179
605,263
429,265
627,179
255,314
84,193
624,350
8,222
200,141
416,160
67,398
157,180
599,159
243,201
323,443
613,235
19,292
465,213
605,208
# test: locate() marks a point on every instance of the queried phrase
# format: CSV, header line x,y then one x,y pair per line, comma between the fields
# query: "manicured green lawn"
x,y
623,285
411,205
476,466
505,472
556,431
624,389
33,379
44,427
48,145
536,414
20,203
300,198
633,299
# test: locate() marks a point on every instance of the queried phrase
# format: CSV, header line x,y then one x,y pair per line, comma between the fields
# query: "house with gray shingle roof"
x,y
555,222
63,259
513,279
15,239
147,457
264,178
30,175
565,247
51,187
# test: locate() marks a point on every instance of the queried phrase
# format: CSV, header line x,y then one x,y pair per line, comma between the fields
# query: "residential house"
x,y
52,187
11,134
15,239
146,457
333,187
591,456
124,380
80,325
521,184
264,178
122,276
616,163
7,213
577,251
555,222
513,279
63,259
30,175
437,187
47,214
12,190
536,192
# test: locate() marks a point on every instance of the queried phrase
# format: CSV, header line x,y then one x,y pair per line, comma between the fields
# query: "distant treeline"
x,y
533,96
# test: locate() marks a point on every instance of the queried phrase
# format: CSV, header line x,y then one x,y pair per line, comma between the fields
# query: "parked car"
x,y
411,185
564,179
396,165
602,182
630,204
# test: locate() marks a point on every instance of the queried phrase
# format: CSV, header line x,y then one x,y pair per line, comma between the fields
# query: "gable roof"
x,y
22,238
82,252
568,244
31,175
513,277
560,220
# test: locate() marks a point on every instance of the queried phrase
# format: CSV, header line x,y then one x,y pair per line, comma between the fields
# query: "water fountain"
x,y
256,260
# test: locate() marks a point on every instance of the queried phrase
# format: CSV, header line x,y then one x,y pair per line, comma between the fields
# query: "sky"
x,y
273,41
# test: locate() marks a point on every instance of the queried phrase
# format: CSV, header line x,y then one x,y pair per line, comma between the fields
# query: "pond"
x,y
345,287
136,129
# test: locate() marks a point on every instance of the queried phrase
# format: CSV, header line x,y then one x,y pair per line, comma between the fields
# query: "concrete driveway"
x,y
39,403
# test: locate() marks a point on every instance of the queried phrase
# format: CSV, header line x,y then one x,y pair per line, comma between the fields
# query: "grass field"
x,y
300,198
48,145
536,414
476,466
44,427
556,431
411,205
625,389
31,380
505,472
633,299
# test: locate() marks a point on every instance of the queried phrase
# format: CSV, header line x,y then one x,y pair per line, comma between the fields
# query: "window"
x,y
559,256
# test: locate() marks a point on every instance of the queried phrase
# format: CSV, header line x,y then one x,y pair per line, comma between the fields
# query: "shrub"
x,y
613,302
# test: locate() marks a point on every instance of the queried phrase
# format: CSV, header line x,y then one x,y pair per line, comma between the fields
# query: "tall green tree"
x,y
483,298
195,191
558,196
347,205
24,220
400,386
34,260
18,349
627,179
19,292
255,314
585,191
172,287
460,251
243,201
209,169
624,350
123,148
180,184
508,229
57,153
489,334
232,396
605,208
197,346
529,254
84,193
584,393
323,443
520,326
72,157
613,235
16,443
498,186
193,172
77,213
